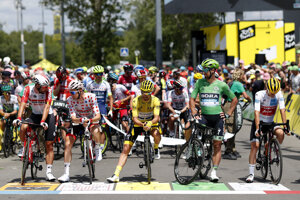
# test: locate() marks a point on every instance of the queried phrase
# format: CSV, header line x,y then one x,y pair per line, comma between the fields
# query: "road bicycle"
x,y
89,157
269,156
10,138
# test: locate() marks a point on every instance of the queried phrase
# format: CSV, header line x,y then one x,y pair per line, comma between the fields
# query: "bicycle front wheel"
x,y
262,158
207,157
25,162
189,161
7,142
148,159
275,161
90,161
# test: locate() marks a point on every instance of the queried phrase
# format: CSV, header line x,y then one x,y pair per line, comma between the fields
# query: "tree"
x,y
140,33
96,21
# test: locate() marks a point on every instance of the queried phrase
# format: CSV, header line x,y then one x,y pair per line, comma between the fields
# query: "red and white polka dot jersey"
x,y
84,108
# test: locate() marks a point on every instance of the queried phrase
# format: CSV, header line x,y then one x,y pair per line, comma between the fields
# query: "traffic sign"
x,y
124,52
296,5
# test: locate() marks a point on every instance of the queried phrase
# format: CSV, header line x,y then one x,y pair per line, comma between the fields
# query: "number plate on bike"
x,y
60,104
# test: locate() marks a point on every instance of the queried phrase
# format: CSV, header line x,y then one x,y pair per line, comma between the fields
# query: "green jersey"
x,y
211,95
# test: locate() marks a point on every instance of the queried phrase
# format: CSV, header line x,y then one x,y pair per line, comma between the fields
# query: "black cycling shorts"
x,y
214,121
50,132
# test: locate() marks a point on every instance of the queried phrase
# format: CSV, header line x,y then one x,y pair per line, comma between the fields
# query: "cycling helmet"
x,y
153,69
198,76
141,73
190,68
61,72
84,69
178,84
182,68
78,70
6,88
75,85
138,67
24,75
128,67
162,73
147,86
273,85
113,76
199,68
42,80
210,63
98,69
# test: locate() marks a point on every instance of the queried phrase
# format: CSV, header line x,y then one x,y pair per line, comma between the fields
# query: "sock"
x,y
49,169
118,170
251,169
97,146
101,146
215,167
67,168
156,146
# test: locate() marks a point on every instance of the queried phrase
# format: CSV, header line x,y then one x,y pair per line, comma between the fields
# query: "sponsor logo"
x,y
216,88
209,96
289,40
247,33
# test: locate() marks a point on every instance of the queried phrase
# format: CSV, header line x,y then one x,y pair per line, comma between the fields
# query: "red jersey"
x,y
64,91
127,81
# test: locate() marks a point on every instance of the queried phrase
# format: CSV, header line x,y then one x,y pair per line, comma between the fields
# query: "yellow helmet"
x,y
273,85
198,76
147,86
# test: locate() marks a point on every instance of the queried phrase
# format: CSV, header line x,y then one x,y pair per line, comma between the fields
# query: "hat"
x,y
6,73
278,66
295,68
225,71
190,68
266,76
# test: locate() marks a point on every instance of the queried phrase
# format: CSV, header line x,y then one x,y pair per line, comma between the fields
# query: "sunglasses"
x,y
98,74
73,92
6,93
205,69
147,93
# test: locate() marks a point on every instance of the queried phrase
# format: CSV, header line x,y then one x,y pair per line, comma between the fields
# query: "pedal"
x,y
141,165
40,168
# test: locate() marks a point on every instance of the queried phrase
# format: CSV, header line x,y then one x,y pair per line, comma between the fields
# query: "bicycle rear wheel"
x,y
275,161
207,157
148,158
7,142
25,162
90,161
189,161
262,158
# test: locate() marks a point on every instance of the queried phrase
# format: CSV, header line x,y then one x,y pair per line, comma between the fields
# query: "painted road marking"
x,y
164,192
257,187
95,186
124,186
203,186
30,187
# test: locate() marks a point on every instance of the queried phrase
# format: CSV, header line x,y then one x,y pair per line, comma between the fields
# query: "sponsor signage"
x,y
289,40
247,33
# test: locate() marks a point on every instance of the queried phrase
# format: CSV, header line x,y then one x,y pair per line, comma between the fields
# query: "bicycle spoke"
x,y
275,162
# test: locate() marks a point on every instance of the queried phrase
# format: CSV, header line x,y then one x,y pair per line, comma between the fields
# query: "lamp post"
x,y
171,52
137,53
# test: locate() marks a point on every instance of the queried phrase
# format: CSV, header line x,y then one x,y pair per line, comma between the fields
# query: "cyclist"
x,y
145,114
8,105
136,89
39,97
84,110
121,98
178,103
25,81
156,81
210,92
265,106
61,84
127,79
102,90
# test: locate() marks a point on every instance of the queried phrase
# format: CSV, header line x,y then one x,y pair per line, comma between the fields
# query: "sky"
x,y
32,16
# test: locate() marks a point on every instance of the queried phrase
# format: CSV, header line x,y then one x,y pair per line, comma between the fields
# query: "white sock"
x,y
97,146
251,169
49,169
67,168
101,146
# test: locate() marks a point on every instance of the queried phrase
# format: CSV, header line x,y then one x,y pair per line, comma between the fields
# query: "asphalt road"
x,y
230,171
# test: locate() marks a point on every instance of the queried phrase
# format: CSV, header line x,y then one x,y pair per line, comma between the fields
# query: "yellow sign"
x,y
57,27
41,51
142,186
30,187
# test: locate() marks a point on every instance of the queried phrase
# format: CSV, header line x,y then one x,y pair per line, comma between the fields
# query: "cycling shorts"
x,y
264,129
79,130
50,132
214,121
185,116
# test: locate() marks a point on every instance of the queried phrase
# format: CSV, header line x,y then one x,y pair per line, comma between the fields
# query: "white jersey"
x,y
86,108
267,106
9,106
120,92
19,89
135,90
102,90
178,101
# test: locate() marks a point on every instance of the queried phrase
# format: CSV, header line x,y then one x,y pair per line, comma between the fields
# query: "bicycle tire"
x,y
148,158
89,160
105,142
190,160
6,142
176,135
263,156
207,158
275,161
25,162
34,167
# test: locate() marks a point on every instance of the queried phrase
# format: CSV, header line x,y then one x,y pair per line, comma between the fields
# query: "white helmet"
x,y
41,80
6,60
75,85
24,75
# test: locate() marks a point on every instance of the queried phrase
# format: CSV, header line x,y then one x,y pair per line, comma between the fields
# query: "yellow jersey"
x,y
145,110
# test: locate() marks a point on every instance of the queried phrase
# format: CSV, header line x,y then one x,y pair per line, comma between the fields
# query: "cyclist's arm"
x,y
193,97
170,107
56,88
111,100
232,106
246,96
193,107
137,121
2,113
157,89
257,110
47,106
186,102
232,96
282,108
25,95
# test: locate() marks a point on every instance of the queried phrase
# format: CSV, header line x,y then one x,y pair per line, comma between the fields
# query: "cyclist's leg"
x,y
185,116
124,119
279,134
2,124
156,134
252,155
171,125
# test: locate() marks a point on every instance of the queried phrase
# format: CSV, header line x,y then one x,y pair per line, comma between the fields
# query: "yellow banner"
x,y
57,27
